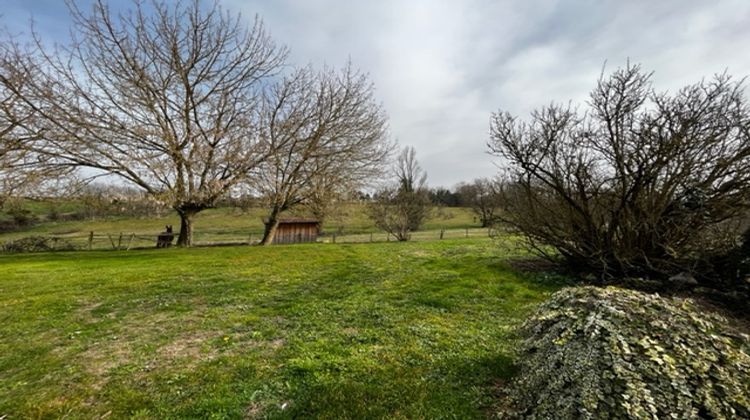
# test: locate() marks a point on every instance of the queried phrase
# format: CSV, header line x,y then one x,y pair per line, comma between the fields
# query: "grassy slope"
x,y
398,330
223,224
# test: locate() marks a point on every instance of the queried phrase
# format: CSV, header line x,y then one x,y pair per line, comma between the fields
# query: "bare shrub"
x,y
37,244
484,197
642,183
401,208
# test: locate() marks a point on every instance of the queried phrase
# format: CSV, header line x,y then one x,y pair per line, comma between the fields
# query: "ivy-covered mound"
x,y
613,353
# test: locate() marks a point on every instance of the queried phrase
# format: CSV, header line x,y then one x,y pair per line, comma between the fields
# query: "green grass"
x,y
389,330
220,225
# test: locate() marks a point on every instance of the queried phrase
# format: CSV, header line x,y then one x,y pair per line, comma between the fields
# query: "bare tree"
x,y
14,155
23,170
484,197
330,137
411,177
164,97
401,208
325,198
644,183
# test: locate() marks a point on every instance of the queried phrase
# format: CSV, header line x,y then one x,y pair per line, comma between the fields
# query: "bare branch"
x,y
644,183
163,96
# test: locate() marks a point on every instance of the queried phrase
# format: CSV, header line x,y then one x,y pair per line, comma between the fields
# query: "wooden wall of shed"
x,y
292,233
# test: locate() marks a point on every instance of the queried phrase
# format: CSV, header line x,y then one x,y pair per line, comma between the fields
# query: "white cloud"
x,y
442,66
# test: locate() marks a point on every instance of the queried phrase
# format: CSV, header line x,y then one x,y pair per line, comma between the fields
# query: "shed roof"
x,y
297,220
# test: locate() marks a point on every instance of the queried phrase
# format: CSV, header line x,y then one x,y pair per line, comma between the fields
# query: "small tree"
x,y
484,197
164,97
402,208
644,183
329,137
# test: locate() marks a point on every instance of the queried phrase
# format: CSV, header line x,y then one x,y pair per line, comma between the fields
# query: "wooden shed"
x,y
295,231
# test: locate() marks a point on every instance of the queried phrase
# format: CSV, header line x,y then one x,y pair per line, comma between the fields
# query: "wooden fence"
x,y
133,240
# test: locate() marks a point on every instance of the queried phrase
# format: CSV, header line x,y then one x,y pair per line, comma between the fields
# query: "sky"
x,y
442,67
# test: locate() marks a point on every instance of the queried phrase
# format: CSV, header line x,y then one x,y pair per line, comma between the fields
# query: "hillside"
x,y
225,224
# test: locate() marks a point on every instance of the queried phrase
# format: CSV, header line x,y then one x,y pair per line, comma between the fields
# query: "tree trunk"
x,y
403,234
271,225
186,227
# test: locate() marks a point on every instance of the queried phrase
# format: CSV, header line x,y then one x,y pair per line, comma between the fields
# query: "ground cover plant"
x,y
398,330
614,353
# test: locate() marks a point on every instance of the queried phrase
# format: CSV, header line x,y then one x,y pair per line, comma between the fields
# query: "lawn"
x,y
396,330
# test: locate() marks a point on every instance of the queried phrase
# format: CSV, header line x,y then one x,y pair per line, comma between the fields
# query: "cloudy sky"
x,y
442,67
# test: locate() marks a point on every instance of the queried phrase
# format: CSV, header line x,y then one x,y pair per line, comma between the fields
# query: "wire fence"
x,y
132,240
423,235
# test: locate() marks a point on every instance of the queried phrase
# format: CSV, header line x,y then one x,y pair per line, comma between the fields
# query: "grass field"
x,y
227,225
385,330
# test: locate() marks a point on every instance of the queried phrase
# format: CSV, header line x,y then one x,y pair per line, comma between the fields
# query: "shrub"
x,y
734,265
53,215
614,353
484,197
8,226
37,244
402,208
21,216
18,217
642,183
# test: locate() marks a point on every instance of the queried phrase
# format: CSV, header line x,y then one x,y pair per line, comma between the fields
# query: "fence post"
x,y
91,240
370,236
112,241
250,239
467,232
442,232
119,242
334,238
130,242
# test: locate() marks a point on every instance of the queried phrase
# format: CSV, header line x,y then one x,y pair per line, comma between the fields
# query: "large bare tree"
x,y
644,183
329,136
163,95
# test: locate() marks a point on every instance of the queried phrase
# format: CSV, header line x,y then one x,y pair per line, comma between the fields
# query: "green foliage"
x,y
614,353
